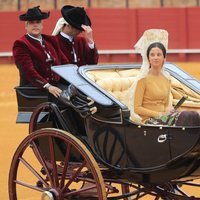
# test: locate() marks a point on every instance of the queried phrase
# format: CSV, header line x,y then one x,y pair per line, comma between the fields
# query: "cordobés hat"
x,y
75,16
34,14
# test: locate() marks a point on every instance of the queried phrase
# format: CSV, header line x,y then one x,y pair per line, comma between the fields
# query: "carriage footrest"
x,y
24,117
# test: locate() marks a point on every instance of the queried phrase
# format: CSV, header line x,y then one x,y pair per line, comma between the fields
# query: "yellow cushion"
x,y
118,87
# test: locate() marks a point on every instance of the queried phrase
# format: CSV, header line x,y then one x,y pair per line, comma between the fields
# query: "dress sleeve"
x,y
138,99
169,99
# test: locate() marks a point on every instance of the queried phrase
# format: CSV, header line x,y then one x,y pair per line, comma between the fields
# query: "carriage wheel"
x,y
33,124
121,189
65,169
131,191
179,190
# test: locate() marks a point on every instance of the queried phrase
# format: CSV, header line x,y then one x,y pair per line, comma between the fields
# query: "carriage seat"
x,y
117,82
27,100
118,87
178,90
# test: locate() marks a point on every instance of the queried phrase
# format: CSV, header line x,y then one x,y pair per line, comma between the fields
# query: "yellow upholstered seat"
x,y
179,89
117,82
114,81
118,87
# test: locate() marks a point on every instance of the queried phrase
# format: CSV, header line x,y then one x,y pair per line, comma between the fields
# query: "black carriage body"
x,y
146,154
138,153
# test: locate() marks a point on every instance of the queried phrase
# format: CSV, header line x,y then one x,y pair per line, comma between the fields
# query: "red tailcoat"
x,y
85,55
33,63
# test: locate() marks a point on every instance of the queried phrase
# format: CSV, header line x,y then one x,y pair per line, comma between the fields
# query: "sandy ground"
x,y
11,133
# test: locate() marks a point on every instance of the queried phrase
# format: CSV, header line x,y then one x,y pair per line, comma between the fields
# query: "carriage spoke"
x,y
82,190
42,160
53,162
73,177
66,163
33,171
29,186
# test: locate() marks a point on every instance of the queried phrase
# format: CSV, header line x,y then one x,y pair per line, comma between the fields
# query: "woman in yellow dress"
x,y
153,91
150,98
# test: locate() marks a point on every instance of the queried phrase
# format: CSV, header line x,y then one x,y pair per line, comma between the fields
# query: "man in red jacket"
x,y
79,50
35,53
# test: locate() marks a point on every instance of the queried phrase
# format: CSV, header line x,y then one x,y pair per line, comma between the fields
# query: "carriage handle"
x,y
162,138
84,105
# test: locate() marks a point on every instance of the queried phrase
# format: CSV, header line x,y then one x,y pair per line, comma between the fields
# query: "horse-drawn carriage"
x,y
90,149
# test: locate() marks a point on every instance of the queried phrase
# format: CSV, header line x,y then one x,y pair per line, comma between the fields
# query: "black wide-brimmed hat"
x,y
75,16
34,14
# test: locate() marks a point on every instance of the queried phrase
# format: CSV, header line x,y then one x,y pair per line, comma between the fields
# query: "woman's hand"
x,y
170,109
54,90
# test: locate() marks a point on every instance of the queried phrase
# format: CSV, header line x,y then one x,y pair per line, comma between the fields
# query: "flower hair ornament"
x,y
149,36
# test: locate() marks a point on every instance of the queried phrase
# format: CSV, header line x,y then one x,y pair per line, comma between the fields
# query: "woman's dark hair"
x,y
159,45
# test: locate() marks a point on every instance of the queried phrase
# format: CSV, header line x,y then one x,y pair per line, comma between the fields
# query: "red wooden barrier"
x,y
121,28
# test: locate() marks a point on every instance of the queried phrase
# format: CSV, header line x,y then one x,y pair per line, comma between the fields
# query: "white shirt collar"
x,y
70,38
38,39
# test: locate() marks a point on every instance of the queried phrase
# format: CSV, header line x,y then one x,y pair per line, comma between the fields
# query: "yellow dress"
x,y
152,96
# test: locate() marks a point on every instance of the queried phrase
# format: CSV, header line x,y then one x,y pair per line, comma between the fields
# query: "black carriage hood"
x,y
70,74
77,77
